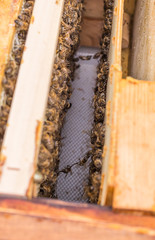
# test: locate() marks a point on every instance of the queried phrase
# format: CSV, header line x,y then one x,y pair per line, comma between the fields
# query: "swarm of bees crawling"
x,y
13,64
98,131
59,94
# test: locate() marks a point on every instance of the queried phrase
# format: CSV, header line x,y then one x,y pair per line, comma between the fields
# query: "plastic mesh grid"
x,y
76,131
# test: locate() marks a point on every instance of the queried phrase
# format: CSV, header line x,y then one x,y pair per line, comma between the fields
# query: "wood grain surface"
x,y
49,219
143,42
135,152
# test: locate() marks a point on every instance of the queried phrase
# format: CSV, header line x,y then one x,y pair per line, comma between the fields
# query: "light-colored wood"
x,y
135,154
93,9
48,219
22,138
107,183
143,47
128,175
9,11
91,32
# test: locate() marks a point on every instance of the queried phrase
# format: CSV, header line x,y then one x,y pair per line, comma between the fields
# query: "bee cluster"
x,y
98,131
13,64
59,94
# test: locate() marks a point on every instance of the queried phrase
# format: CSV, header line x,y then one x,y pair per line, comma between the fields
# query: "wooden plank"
x,y
119,152
9,11
135,153
143,47
21,219
22,138
93,9
107,182
91,32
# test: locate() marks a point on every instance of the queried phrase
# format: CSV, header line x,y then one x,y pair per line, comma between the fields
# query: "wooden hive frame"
x,y
129,169
29,101
45,218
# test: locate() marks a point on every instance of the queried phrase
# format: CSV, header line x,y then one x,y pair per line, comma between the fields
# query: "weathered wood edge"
x,y
51,219
115,73
56,209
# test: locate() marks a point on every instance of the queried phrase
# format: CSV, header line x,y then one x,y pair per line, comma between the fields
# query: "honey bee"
x,y
45,189
27,11
76,59
96,177
68,39
85,57
105,42
75,39
99,114
67,169
68,105
44,155
84,160
48,141
8,86
98,163
96,55
8,101
17,53
92,190
65,71
10,70
21,24
4,112
109,4
52,114
23,18
29,4
65,25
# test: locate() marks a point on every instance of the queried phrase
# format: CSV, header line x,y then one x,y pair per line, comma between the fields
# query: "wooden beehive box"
x,y
128,176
